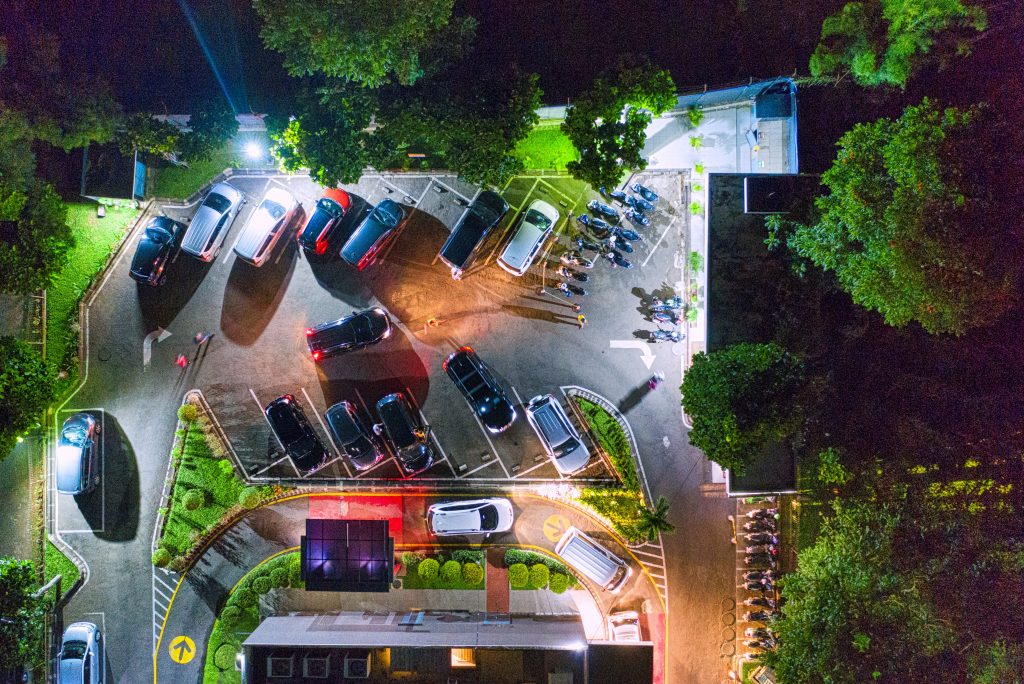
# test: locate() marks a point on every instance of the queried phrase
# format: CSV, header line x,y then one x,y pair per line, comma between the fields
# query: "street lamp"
x,y
253,150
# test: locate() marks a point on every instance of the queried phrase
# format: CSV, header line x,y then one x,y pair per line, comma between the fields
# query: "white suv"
x,y
560,439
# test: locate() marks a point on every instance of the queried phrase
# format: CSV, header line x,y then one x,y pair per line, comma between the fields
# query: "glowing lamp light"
x,y
253,150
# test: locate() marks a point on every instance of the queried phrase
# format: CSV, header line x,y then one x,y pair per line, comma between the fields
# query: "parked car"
x,y
296,435
479,516
77,458
624,626
406,433
325,221
265,226
155,249
533,229
352,435
560,439
482,391
81,655
483,215
592,560
353,332
210,225
375,233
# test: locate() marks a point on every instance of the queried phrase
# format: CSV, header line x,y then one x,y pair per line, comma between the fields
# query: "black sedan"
x,y
349,431
374,234
481,390
155,249
406,432
360,329
296,435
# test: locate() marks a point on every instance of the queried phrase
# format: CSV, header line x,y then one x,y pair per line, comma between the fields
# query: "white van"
x,y
265,226
533,229
592,560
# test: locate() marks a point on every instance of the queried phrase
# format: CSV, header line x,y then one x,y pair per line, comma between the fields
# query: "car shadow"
x,y
252,295
112,508
333,274
160,305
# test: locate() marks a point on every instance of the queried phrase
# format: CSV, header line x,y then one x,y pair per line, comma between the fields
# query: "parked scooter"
x,y
627,233
617,260
645,192
575,275
763,514
576,259
761,586
760,601
757,616
666,317
636,217
760,560
666,336
614,194
614,242
762,538
764,644
603,209
673,302
576,289
762,548
583,243
759,526
758,633
756,575
639,203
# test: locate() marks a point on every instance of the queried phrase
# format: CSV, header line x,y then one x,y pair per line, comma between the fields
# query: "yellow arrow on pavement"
x,y
555,526
182,649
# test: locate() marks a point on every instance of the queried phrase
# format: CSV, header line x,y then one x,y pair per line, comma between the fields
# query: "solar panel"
x,y
347,555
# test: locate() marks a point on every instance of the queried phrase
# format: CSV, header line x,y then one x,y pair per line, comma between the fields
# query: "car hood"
x,y
146,253
498,415
68,475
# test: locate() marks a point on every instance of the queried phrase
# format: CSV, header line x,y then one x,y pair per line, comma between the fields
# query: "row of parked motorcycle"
x,y
757,531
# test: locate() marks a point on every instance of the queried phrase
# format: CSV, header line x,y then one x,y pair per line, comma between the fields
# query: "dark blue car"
x,y
374,234
155,249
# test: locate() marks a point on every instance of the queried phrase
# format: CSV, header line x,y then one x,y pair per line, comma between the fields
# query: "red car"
x,y
325,220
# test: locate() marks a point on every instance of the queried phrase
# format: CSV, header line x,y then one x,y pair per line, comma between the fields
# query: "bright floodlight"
x,y
253,150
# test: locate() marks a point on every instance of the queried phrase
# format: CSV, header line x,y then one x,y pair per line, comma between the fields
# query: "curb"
x,y
83,570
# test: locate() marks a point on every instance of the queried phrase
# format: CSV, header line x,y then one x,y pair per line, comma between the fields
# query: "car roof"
x,y
68,467
371,230
397,415
457,520
526,237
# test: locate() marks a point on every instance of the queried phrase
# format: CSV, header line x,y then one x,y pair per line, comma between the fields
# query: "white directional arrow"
x,y
645,351
147,344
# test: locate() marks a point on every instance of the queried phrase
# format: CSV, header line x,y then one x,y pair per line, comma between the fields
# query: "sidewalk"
x,y
498,589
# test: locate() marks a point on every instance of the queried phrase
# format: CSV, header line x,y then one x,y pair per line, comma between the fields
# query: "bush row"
x,y
451,568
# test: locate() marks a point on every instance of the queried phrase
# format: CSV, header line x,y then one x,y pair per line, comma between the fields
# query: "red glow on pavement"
x,y
360,508
655,624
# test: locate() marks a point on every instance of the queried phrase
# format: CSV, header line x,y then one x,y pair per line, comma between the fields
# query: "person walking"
x,y
582,320
202,337
181,361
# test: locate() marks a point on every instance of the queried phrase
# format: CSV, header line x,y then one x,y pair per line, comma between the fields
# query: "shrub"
x,y
224,656
451,571
428,569
696,262
230,615
295,571
188,413
539,576
279,577
468,556
696,208
696,141
472,573
695,115
698,168
411,560
177,564
558,583
513,556
518,575
250,497
193,499
245,598
262,584
161,557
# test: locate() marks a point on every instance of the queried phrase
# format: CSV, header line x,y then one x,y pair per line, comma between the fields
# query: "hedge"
x,y
279,577
539,576
161,557
428,569
262,584
451,572
612,439
558,583
518,575
513,556
472,573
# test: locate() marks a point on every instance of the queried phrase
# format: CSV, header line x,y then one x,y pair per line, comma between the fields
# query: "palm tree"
x,y
653,521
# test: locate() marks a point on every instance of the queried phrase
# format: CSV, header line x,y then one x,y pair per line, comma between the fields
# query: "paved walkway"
x,y
497,581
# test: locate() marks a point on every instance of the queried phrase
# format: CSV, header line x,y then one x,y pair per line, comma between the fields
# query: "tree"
x,y
17,161
21,629
149,135
327,134
211,124
26,388
653,521
368,42
607,122
741,399
883,42
920,223
34,238
851,614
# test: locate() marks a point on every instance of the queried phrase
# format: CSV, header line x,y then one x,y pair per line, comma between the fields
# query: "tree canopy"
x,y
34,238
741,399
21,630
607,122
211,124
883,42
26,388
918,223
370,42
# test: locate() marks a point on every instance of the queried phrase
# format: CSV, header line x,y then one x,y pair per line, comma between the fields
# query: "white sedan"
x,y
265,226
624,626
479,516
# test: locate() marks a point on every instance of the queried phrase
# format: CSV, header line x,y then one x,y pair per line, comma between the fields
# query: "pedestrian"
x,y
182,361
202,337
582,320
577,308
564,289
655,380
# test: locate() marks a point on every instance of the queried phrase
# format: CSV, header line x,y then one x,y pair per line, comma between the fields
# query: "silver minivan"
x,y
556,432
210,225
268,221
533,229
592,560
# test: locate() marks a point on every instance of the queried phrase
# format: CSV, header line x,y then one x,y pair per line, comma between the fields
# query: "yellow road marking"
x,y
182,649
555,526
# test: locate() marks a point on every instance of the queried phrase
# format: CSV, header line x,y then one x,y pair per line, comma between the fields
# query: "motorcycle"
x,y
583,243
666,336
627,233
639,203
757,616
762,538
636,217
645,192
576,259
602,209
759,526
673,302
615,242
575,275
665,317
614,194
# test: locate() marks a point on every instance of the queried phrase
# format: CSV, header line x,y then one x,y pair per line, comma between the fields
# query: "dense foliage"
x,y
742,399
21,629
35,237
607,122
26,388
883,42
917,224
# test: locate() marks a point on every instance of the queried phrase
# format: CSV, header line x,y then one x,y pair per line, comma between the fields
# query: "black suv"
x,y
484,214
155,250
360,329
406,432
296,434
481,390
349,431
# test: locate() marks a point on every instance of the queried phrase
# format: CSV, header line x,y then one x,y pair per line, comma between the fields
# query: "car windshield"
x,y
567,447
158,234
218,203
74,435
285,423
73,650
387,214
488,517
484,214
332,208
538,219
275,210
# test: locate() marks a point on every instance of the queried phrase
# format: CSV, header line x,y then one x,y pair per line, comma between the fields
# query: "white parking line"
x,y
337,452
532,468
389,459
265,469
667,228
479,467
518,398
448,188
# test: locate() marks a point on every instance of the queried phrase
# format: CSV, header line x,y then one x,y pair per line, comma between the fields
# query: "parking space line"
x,y
423,194
532,468
518,398
667,228
448,188
493,449
268,467
647,553
479,467
389,459
558,192
330,438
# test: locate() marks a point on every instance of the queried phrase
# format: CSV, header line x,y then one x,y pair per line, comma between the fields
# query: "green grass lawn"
x,y
94,240
546,147
178,182
59,564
